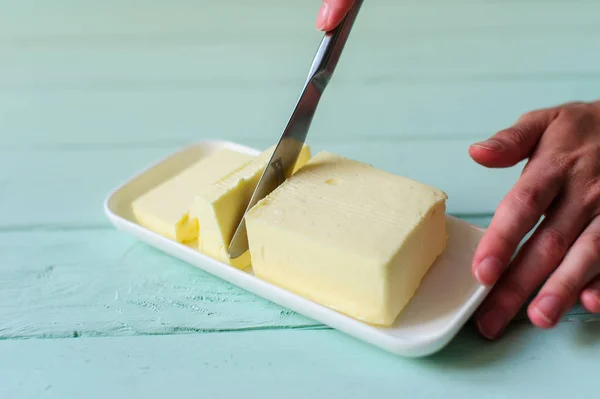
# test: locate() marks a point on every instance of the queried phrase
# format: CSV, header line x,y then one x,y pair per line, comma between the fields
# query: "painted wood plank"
x,y
67,188
206,59
301,364
123,114
102,283
167,72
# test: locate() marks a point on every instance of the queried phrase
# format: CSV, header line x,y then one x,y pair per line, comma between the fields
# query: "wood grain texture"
x,y
302,364
104,283
62,283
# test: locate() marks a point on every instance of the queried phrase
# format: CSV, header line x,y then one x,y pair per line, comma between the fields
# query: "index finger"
x,y
515,216
331,13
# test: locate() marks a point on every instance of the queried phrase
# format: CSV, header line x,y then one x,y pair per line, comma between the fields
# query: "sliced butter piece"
x,y
165,208
348,236
221,206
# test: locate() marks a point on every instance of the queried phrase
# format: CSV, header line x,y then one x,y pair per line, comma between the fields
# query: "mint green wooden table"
x,y
91,91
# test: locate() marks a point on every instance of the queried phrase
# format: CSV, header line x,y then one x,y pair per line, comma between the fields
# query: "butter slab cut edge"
x,y
220,207
348,236
165,209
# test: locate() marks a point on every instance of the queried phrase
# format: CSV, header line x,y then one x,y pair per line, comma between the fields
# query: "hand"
x,y
331,13
561,181
559,184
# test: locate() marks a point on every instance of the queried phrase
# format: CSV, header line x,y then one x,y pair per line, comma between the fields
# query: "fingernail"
x,y
491,323
490,144
548,308
489,270
322,16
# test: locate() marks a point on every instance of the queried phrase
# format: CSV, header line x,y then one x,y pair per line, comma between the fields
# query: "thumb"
x,y
331,13
510,146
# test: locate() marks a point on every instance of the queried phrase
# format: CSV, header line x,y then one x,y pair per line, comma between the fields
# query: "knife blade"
x,y
287,150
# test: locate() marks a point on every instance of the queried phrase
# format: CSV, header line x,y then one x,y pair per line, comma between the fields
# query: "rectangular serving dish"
x,y
446,298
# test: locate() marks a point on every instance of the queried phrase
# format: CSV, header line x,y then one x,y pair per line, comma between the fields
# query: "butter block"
x,y
165,208
221,206
349,236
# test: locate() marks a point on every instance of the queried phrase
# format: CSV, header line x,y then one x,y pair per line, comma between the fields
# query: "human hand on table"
x,y
561,181
559,185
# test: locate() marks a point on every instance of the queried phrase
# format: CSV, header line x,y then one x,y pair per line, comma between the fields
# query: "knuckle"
x,y
529,115
574,104
591,242
562,161
554,167
590,202
540,114
567,285
571,112
576,117
526,198
512,294
551,244
591,196
514,135
582,185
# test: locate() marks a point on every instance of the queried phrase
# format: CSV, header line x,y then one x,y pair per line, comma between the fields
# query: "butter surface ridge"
x,y
165,209
220,207
348,236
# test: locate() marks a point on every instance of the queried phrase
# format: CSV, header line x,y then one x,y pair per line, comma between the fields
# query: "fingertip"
x,y
537,319
332,13
488,270
491,321
489,145
476,152
545,311
590,299
483,156
322,17
492,157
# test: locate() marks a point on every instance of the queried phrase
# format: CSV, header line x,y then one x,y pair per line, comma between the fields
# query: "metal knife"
x,y
290,144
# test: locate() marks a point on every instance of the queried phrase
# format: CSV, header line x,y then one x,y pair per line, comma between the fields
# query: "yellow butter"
x,y
221,206
348,236
165,208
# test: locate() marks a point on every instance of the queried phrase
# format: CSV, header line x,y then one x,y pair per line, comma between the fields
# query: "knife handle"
x,y
331,47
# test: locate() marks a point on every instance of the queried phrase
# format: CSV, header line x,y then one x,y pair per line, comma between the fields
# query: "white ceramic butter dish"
x,y
446,298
